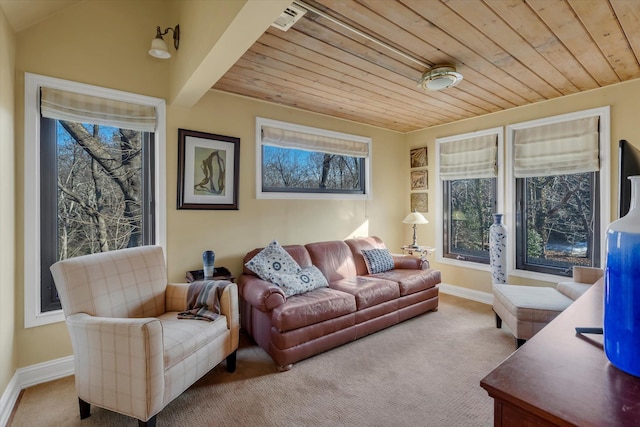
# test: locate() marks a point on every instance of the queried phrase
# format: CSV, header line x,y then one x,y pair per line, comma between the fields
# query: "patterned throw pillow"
x,y
305,280
377,260
273,260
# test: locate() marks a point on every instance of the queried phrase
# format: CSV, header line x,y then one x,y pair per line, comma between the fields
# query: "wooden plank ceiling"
x,y
510,52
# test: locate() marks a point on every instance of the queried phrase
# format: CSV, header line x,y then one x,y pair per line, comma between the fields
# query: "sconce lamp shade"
x,y
415,218
159,49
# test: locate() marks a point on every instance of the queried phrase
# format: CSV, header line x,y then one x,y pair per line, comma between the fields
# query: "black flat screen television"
x,y
629,158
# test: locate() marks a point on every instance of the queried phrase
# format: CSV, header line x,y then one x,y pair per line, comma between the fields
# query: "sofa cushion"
x,y
312,307
183,337
377,260
368,291
305,280
333,258
272,261
411,281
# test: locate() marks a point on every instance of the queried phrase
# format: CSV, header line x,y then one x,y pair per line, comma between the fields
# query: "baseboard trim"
x,y
30,376
472,294
8,400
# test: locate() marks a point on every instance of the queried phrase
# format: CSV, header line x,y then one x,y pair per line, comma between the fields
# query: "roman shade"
x,y
287,138
76,107
557,149
469,158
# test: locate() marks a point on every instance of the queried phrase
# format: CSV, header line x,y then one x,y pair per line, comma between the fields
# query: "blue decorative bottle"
x,y
208,259
622,288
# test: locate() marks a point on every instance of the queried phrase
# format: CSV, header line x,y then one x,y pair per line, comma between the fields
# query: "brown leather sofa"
x,y
354,305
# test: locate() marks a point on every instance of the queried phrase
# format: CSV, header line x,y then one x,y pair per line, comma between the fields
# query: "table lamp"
x,y
415,218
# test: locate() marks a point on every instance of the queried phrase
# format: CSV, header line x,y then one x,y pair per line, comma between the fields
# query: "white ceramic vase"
x,y
498,250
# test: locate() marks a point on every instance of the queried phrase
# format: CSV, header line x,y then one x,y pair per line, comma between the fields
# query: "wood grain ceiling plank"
x,y
601,22
379,26
505,92
296,70
307,88
562,20
479,52
316,51
469,93
528,24
479,15
628,13
256,88
488,96
333,70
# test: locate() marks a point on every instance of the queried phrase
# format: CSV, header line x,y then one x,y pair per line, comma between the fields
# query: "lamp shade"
x,y
415,218
159,49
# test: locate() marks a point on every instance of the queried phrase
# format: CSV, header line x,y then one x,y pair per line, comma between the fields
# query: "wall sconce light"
x,y
159,47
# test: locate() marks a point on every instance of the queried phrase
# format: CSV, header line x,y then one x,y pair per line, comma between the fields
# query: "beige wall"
x,y
231,234
114,56
105,43
624,100
7,236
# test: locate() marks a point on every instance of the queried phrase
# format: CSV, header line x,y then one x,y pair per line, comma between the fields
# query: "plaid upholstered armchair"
x,y
132,354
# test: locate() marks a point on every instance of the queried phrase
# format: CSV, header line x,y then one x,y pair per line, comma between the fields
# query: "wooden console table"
x,y
560,378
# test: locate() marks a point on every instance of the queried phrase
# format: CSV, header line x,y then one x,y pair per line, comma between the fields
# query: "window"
x,y
92,159
296,161
469,190
559,171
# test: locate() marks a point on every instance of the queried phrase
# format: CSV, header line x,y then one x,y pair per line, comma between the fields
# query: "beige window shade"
x,y
76,107
310,142
469,158
557,149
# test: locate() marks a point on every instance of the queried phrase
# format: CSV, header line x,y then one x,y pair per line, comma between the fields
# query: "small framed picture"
x,y
419,180
420,202
208,170
419,157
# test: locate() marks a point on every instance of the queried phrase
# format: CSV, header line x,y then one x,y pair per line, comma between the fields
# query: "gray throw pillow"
x,y
377,260
307,279
273,260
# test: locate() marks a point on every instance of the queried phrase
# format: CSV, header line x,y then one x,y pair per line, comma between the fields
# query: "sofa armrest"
x,y
127,349
589,275
409,262
263,295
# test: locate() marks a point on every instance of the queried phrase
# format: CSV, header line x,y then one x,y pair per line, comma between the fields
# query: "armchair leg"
x,y
520,342
231,361
498,321
85,409
150,423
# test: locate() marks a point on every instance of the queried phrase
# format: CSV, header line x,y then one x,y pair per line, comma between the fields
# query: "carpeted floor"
x,y
423,372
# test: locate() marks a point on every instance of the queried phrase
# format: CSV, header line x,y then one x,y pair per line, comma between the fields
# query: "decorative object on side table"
x,y
423,251
497,250
219,273
415,218
622,288
208,260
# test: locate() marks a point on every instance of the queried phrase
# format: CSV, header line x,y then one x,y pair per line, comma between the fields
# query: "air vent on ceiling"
x,y
290,16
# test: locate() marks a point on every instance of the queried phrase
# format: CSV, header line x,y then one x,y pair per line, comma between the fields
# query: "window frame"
x,y
33,315
604,183
366,161
440,214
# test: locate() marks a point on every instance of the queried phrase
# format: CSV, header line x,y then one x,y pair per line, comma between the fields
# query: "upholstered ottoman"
x,y
527,309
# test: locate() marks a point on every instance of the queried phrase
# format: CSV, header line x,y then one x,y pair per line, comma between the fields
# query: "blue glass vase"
x,y
622,288
208,259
